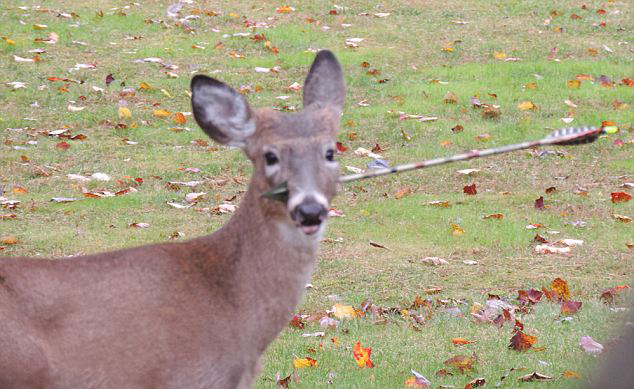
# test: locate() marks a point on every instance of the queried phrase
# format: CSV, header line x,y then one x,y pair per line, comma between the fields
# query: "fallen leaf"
x,y
560,287
434,261
461,362
534,377
62,146
344,311
402,193
450,98
362,355
161,113
470,189
139,225
417,381
456,230
494,216
179,118
461,341
9,240
378,245
124,112
620,197
622,218
522,342
527,106
570,307
300,363
570,374
589,345
574,84
539,203
285,9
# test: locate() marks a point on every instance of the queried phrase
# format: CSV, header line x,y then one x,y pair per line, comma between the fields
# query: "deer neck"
x,y
274,260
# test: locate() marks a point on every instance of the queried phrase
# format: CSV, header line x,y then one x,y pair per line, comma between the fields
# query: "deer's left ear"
x,y
221,111
324,85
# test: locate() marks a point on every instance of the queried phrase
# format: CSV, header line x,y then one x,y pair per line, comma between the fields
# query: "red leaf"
x,y
470,189
109,79
341,148
62,146
620,197
539,203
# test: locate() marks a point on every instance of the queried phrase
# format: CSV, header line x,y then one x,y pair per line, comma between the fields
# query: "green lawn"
x,y
504,52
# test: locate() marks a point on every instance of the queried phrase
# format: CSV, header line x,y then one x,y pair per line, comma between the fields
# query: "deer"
x,y
197,313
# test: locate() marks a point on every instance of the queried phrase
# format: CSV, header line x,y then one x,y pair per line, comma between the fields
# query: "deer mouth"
x,y
309,216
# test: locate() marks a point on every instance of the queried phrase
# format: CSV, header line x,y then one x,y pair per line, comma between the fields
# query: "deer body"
x,y
196,314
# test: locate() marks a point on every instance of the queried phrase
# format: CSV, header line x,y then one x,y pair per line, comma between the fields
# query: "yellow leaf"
x,y
179,118
161,113
570,374
40,26
527,106
299,363
166,93
574,84
499,55
531,85
144,85
124,112
456,230
344,311
448,49
8,40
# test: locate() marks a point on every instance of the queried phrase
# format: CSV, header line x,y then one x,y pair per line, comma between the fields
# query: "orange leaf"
x,y
179,118
285,9
362,355
560,287
494,216
402,193
522,342
8,239
62,146
570,374
460,341
19,190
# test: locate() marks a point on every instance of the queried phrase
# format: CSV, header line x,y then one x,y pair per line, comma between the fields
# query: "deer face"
x,y
293,149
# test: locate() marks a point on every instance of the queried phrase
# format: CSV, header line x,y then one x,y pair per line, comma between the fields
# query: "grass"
x,y
415,47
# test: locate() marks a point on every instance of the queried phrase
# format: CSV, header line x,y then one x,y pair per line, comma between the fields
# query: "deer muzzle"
x,y
309,215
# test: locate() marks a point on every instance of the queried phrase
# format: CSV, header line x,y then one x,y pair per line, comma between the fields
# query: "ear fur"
x,y
324,84
221,111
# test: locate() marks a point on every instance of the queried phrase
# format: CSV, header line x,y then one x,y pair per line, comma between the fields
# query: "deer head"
x,y
297,149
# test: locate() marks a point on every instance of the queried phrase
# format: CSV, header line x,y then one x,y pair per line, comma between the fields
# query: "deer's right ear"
x,y
221,111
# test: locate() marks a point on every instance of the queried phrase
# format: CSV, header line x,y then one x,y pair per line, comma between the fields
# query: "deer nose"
x,y
309,215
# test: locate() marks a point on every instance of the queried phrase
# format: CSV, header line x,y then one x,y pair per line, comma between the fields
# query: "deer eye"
x,y
330,155
271,158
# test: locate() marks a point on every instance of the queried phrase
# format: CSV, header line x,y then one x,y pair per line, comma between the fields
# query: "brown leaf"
x,y
570,374
535,377
450,98
378,245
461,362
540,239
531,296
402,193
494,216
457,128
551,190
570,307
522,342
297,322
491,112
